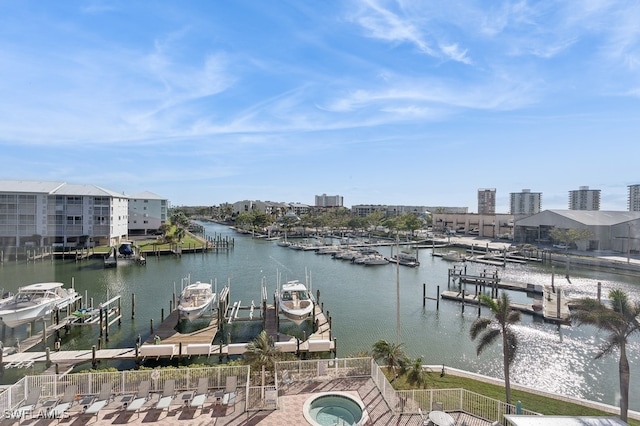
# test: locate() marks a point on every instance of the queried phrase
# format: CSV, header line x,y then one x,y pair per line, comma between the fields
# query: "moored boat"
x,y
35,301
195,299
453,256
126,249
406,259
295,301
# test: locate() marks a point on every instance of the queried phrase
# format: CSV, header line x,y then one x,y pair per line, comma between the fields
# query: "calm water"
x,y
362,303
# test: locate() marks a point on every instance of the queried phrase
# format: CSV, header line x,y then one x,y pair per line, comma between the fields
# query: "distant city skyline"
x,y
380,102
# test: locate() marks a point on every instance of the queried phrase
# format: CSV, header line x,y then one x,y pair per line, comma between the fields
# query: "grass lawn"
x,y
533,402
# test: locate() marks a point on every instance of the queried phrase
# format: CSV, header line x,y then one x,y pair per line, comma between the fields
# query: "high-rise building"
x,y
584,199
487,201
525,202
634,198
325,200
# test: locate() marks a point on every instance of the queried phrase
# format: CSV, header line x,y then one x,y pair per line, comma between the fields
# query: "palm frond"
x,y
487,338
478,327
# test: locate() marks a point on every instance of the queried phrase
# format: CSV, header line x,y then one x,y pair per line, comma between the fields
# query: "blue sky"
x,y
383,102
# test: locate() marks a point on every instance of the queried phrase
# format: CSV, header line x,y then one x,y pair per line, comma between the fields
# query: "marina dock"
x,y
552,307
170,343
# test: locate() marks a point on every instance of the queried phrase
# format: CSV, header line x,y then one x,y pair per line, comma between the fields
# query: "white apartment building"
x,y
584,199
147,212
634,198
40,213
325,200
525,203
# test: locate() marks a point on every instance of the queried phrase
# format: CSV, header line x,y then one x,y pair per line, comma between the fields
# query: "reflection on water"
x,y
362,303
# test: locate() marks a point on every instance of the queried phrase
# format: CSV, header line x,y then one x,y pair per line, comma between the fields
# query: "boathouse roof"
x,y
583,217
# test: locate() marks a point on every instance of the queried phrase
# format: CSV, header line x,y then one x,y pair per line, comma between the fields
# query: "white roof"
x,y
146,195
88,190
516,420
23,186
61,188
585,217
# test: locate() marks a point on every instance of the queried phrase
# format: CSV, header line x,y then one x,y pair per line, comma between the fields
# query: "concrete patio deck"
x,y
291,400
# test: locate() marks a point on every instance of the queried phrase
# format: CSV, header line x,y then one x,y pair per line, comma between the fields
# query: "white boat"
x,y
283,243
195,299
295,301
35,301
406,259
453,256
375,259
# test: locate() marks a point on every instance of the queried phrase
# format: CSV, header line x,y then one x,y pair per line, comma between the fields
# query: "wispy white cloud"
x,y
397,27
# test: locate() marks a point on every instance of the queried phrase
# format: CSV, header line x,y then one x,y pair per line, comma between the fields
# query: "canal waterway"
x,y
361,301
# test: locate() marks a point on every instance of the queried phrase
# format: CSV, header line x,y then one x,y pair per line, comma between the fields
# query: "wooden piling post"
x,y
463,301
106,325
94,363
161,314
133,305
101,322
151,325
424,294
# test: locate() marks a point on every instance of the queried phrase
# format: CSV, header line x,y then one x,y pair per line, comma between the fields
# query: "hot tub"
x,y
334,408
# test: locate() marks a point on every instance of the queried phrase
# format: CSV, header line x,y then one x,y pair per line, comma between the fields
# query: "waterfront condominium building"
x,y
525,202
34,213
487,201
634,198
325,200
584,199
147,212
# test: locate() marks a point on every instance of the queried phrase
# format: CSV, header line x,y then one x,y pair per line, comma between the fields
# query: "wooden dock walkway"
x,y
552,307
168,333
173,344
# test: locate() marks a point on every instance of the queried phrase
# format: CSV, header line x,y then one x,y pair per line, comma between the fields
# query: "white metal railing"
x,y
325,369
121,382
409,401
265,397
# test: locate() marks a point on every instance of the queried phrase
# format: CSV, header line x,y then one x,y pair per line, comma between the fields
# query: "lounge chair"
x,y
168,394
425,420
201,393
230,389
286,378
27,406
104,397
142,396
63,404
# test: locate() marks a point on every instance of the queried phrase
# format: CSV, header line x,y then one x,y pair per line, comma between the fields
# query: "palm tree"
x,y
391,353
620,320
415,373
490,329
261,351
